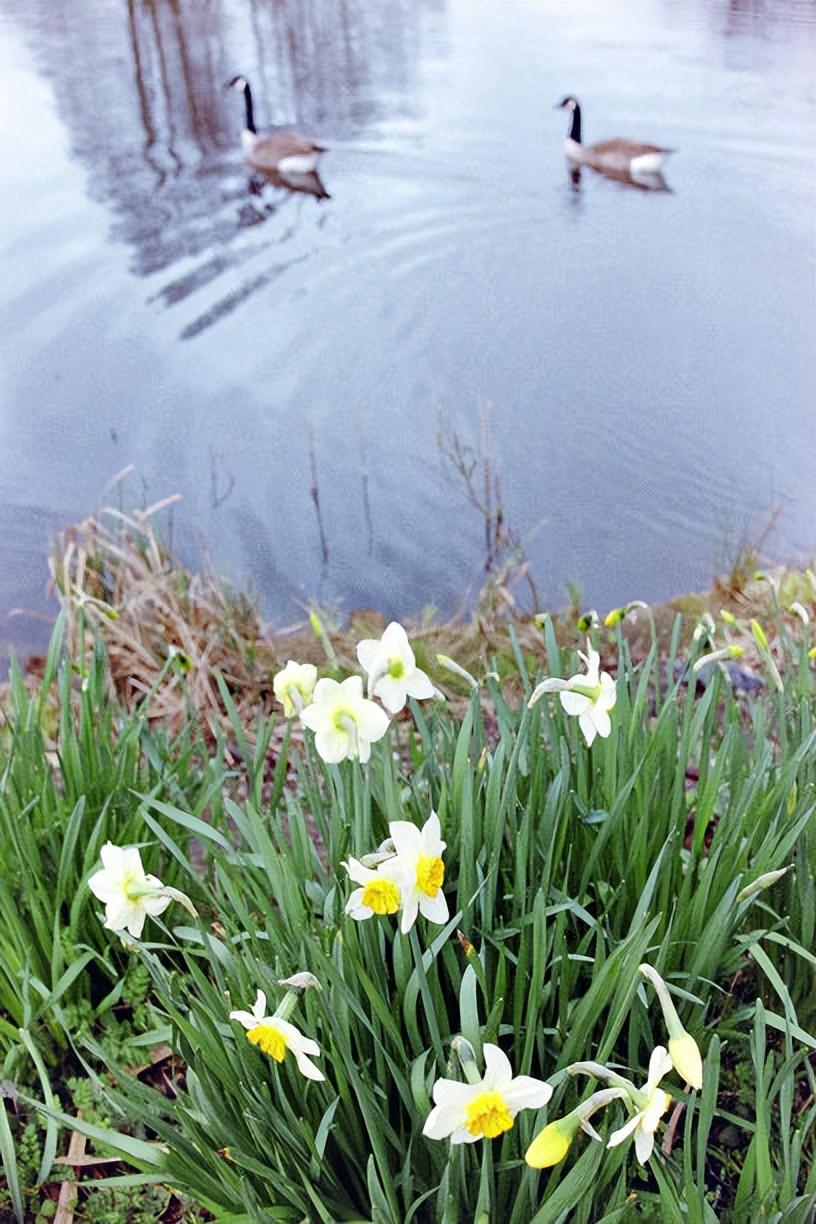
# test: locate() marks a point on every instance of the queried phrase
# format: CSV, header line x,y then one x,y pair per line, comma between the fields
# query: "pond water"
x,y
297,367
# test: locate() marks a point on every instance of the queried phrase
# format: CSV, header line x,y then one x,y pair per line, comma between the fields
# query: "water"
x,y
649,356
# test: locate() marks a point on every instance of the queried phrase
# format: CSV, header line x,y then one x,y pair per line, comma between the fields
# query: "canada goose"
x,y
280,150
615,156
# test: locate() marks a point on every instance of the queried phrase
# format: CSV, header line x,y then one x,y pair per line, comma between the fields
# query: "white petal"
x,y
574,703
453,1096
419,685
435,909
358,872
155,905
464,1136
409,914
113,858
526,1093
244,1017
407,839
306,1067
587,726
392,693
355,908
259,1006
644,1145
372,721
316,717
602,721
546,686
368,654
350,690
395,641
105,885
498,1071
660,1064
326,691
332,745
438,1124
431,835
625,1131
609,692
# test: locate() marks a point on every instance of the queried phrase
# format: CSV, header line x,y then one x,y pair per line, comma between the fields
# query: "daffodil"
x,y
588,696
406,873
294,686
486,1106
379,893
344,722
683,1049
551,1145
650,1103
419,870
274,1035
393,675
128,894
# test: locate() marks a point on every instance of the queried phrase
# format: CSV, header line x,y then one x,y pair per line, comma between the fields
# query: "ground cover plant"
x,y
450,959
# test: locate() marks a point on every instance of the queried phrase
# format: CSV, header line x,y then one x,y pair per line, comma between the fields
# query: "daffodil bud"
x,y
588,621
812,652
683,1049
717,656
728,617
451,666
610,620
551,1145
301,981
801,611
466,1055
761,882
759,635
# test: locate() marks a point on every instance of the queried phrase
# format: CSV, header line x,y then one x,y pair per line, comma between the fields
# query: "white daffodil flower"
x,y
589,696
486,1108
344,722
651,1102
294,686
379,894
130,896
393,675
274,1035
419,870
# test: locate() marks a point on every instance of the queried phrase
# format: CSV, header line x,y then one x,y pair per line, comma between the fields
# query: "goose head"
x,y
567,103
237,82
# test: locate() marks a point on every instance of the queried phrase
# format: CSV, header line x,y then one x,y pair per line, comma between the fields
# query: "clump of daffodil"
x,y
408,874
274,1035
485,1106
683,1049
551,1145
647,1104
588,696
128,894
345,723
294,686
393,675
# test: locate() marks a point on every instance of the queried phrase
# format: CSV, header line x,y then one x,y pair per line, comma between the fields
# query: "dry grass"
x,y
169,631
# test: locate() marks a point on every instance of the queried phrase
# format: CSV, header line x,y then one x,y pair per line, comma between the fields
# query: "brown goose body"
x,y
282,150
618,156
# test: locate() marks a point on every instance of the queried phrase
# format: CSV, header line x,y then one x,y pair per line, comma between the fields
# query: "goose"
x,y
615,156
280,150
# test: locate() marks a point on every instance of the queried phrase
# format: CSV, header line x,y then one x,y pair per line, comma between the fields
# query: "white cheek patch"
x,y
240,83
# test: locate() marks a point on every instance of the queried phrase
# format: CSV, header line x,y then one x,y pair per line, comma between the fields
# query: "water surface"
x,y
648,356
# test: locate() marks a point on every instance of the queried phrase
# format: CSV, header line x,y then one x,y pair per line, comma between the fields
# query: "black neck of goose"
x,y
575,130
250,118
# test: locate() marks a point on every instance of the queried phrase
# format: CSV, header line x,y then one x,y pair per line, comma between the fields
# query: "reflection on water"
x,y
641,182
279,350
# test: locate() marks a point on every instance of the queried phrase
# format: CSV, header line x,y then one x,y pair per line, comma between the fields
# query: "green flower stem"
x,y
427,1001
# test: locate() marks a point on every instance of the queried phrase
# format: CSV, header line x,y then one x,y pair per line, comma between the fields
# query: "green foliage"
x,y
566,867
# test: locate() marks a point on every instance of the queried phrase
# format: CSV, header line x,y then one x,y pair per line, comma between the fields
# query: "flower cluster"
x,y
344,721
408,876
